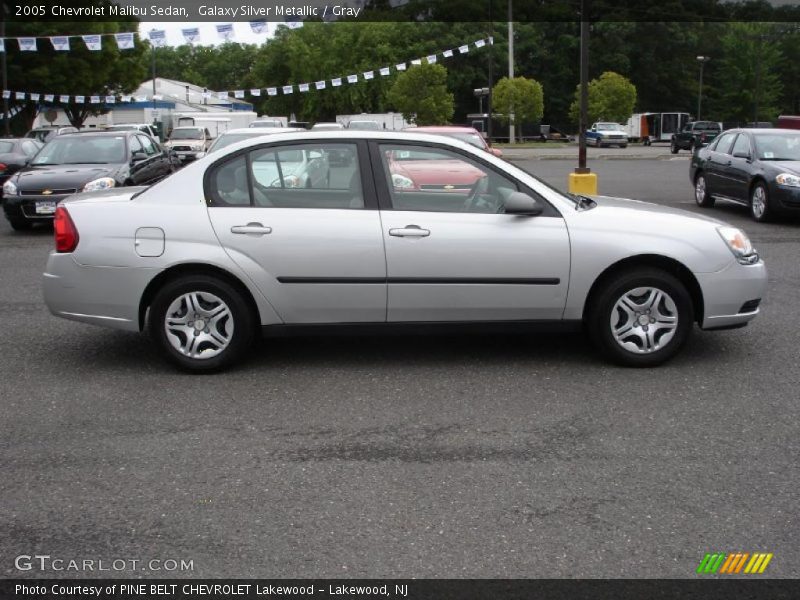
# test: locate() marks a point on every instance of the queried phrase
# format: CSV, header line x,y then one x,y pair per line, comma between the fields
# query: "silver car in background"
x,y
236,243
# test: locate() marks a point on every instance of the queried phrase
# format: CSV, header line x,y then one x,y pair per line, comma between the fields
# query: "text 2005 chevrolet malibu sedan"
x,y
268,234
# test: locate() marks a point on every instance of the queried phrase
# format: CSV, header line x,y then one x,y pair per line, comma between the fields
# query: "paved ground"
x,y
451,457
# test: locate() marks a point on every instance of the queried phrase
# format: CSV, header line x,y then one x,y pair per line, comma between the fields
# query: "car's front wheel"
x,y
201,323
641,317
673,147
760,208
701,194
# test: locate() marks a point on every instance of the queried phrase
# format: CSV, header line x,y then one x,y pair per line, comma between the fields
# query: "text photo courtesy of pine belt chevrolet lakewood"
x,y
232,245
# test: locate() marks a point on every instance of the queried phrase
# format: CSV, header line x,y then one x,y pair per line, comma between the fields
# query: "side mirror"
x,y
496,152
518,203
745,155
138,157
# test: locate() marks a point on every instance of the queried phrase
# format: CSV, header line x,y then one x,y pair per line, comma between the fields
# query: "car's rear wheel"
x,y
760,208
673,147
201,323
641,317
701,194
18,224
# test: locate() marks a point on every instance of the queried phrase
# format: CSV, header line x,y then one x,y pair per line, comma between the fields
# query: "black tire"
x,y
704,199
768,212
242,321
673,147
623,146
19,224
603,309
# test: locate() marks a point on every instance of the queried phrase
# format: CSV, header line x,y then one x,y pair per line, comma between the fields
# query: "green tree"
x,y
521,96
421,94
80,71
611,98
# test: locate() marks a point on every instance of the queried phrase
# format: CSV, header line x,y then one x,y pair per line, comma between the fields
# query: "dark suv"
x,y
694,135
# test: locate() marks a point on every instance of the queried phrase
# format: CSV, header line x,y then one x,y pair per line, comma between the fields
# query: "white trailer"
x,y
215,122
388,121
655,127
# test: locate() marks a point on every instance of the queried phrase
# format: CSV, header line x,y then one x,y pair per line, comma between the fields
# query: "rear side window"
x,y
228,184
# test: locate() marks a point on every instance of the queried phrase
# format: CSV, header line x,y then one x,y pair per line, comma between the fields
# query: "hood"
x,y
792,166
424,172
191,142
62,177
609,203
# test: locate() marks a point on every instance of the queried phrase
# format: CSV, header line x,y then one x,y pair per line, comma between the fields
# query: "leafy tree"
x,y
611,98
421,94
80,71
521,96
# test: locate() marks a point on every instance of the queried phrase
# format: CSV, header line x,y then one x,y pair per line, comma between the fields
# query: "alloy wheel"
x,y
759,202
700,190
644,320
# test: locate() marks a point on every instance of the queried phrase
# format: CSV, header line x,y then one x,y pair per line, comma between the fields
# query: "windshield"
x,y
773,146
82,150
231,138
610,126
471,138
6,147
186,134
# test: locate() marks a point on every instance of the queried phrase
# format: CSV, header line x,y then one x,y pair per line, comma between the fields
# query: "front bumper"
x,y
106,296
24,207
787,198
729,295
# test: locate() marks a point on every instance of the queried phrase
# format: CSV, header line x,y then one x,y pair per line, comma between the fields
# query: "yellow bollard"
x,y
584,184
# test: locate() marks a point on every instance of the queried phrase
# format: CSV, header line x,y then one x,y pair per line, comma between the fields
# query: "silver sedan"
x,y
415,232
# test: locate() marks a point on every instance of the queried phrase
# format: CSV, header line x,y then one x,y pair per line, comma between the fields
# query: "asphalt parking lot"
x,y
490,456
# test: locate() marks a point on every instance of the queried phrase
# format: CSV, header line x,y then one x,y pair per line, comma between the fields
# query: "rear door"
x,y
451,252
738,173
316,253
717,164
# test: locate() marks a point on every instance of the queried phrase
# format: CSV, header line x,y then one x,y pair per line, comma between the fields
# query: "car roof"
x,y
256,131
443,129
99,133
762,130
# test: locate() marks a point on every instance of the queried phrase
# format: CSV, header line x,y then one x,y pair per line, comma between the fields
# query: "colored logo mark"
x,y
733,563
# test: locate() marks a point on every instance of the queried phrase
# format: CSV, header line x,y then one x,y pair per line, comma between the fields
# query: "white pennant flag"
x,y
400,66
64,99
19,95
303,87
191,35
384,71
124,41
158,37
60,43
447,53
94,99
288,89
480,43
352,78
255,92
259,26
369,75
336,82
294,24
225,31
93,42
49,98
491,40
80,99
463,49
416,61
431,59
238,94
27,44
111,99
2,45
125,98
35,97
6,94
141,98
272,91
320,85
223,95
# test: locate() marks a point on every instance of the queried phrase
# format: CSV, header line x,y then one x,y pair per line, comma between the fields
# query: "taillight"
x,y
65,231
3,168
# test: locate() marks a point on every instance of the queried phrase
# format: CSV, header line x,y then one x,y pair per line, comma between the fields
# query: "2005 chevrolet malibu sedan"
x,y
416,230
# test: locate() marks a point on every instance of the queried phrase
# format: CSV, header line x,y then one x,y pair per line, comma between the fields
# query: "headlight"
x,y
401,181
788,179
9,188
739,244
103,183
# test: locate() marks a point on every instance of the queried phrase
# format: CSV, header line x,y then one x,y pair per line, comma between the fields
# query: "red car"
x,y
417,170
465,134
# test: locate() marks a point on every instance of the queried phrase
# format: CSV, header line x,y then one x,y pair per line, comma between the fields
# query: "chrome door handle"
x,y
251,228
410,231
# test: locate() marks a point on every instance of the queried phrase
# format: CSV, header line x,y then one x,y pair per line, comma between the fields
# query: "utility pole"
x,y
6,119
490,54
703,60
510,68
582,180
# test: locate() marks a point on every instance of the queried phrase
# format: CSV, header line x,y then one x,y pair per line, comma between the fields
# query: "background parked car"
x,y
237,135
465,134
758,168
188,142
607,134
14,155
694,135
327,127
143,127
364,125
47,133
266,123
81,162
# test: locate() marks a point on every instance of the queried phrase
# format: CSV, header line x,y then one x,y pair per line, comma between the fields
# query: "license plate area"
x,y
45,207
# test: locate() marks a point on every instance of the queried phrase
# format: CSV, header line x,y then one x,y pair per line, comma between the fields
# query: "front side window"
x,y
422,178
148,145
724,143
741,146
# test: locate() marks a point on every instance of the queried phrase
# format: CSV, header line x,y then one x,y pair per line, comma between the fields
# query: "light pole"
x,y
582,180
702,60
510,69
6,118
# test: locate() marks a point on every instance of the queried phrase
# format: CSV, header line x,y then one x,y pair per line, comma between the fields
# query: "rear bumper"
x,y
729,295
106,296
